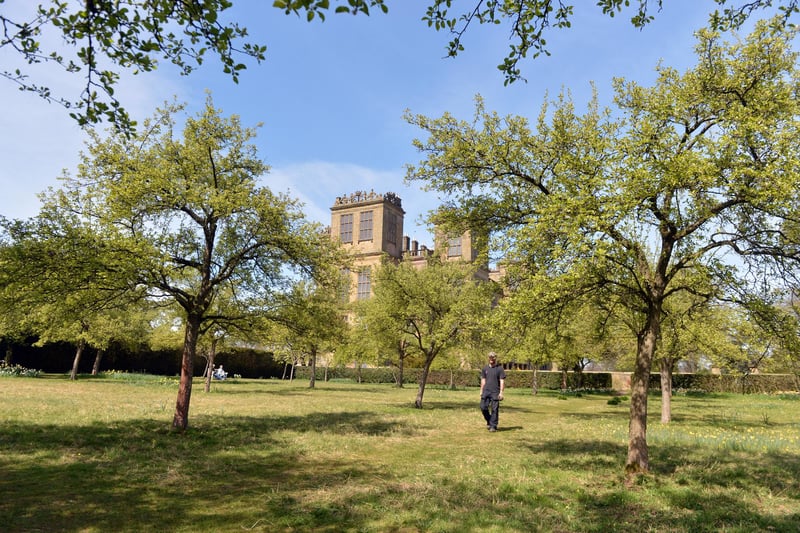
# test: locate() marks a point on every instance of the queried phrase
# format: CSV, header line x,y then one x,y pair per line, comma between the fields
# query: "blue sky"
x,y
331,95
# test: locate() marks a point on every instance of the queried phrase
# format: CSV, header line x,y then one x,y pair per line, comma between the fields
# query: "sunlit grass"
x,y
99,455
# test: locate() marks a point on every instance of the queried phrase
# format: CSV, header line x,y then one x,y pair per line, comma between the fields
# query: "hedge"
x,y
754,383
747,384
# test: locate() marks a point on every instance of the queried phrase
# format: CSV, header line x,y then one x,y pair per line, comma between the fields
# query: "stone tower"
x,y
369,225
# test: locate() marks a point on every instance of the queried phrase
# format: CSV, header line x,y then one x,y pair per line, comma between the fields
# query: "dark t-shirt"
x,y
492,375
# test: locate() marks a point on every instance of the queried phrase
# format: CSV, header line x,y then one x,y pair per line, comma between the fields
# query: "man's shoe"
x,y
492,429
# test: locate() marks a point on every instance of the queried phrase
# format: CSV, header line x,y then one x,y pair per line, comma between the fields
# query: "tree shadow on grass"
x,y
581,454
503,429
241,473
474,405
140,475
700,489
619,411
686,511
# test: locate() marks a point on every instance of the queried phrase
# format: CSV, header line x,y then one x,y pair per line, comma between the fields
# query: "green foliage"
x,y
436,308
99,39
60,282
433,312
526,23
189,218
743,384
317,8
551,380
182,221
631,208
137,378
311,322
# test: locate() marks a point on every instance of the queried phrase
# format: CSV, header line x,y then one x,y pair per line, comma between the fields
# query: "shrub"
x,y
745,384
17,370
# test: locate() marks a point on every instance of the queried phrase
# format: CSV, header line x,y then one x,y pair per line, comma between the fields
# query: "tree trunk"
x,y
78,352
402,345
535,382
400,376
208,374
9,354
313,379
638,461
97,359
181,418
423,380
212,355
666,390
563,379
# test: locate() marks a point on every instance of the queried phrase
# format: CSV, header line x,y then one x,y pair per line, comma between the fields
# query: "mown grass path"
x,y
98,455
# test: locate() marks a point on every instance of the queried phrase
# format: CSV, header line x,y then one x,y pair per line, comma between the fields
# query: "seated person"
x,y
220,374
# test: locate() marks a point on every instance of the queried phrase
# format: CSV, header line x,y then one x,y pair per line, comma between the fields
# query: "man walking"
x,y
493,382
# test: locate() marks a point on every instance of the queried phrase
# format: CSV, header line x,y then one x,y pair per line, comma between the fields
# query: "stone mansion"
x,y
370,225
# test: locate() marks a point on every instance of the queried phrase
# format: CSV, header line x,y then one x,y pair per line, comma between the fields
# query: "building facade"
x,y
370,226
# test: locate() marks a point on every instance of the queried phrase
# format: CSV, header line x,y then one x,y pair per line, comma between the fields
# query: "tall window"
x,y
363,291
391,229
365,226
454,247
346,228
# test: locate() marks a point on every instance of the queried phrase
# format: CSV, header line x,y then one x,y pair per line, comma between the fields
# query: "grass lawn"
x,y
98,455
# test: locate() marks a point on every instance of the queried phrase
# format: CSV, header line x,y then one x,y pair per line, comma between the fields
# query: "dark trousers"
x,y
490,408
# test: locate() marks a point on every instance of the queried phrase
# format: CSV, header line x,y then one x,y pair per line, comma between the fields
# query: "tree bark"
x,y
400,366
208,374
535,382
401,357
666,390
97,359
313,379
9,354
423,380
73,375
212,355
181,418
638,460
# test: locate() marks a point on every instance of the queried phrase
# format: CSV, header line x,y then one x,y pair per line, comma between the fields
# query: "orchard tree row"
x,y
170,229
666,228
679,198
